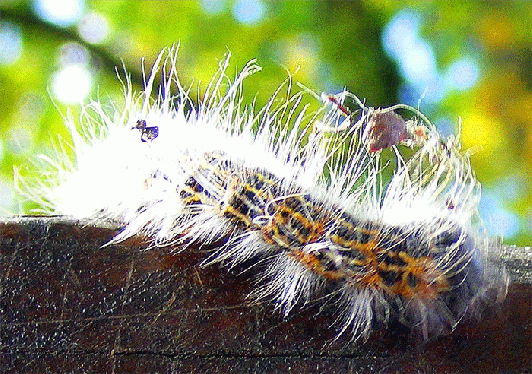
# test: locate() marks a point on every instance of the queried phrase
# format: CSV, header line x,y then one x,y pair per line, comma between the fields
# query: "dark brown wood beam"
x,y
70,304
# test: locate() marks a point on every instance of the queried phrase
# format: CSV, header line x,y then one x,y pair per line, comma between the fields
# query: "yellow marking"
x,y
237,215
274,237
315,228
191,199
368,249
249,187
195,196
313,264
429,280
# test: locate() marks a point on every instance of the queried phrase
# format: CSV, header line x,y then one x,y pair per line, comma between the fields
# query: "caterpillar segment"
x,y
326,241
314,209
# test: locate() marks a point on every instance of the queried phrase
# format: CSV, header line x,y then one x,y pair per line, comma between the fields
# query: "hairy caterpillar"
x,y
278,188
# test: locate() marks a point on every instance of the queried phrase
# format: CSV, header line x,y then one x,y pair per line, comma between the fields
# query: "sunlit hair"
x,y
303,197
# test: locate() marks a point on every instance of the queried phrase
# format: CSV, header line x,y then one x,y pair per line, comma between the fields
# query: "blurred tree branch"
x,y
26,19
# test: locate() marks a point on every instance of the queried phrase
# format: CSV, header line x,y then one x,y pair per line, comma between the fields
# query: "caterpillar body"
x,y
312,205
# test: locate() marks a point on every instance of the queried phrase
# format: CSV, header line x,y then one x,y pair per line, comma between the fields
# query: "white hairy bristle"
x,y
306,195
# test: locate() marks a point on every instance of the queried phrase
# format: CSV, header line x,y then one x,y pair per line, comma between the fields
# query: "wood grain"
x,y
68,304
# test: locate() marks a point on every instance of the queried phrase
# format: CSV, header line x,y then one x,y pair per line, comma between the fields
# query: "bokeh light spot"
x,y
400,33
498,220
462,74
445,126
482,132
414,56
10,43
248,11
418,63
72,83
62,13
73,53
93,28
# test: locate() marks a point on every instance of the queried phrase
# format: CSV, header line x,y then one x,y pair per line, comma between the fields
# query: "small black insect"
x,y
148,133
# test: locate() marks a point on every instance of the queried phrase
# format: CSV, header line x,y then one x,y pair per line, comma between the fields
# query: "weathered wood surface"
x,y
69,305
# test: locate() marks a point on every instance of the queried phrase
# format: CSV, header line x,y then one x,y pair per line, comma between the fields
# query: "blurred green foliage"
x,y
326,45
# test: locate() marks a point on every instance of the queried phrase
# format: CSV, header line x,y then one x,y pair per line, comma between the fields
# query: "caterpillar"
x,y
305,193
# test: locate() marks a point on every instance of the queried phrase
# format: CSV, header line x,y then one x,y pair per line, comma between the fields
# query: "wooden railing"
x,y
70,304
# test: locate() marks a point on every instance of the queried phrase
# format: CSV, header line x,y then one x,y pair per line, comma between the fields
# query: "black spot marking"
x,y
411,280
390,258
352,254
364,238
238,204
325,261
389,278
446,239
